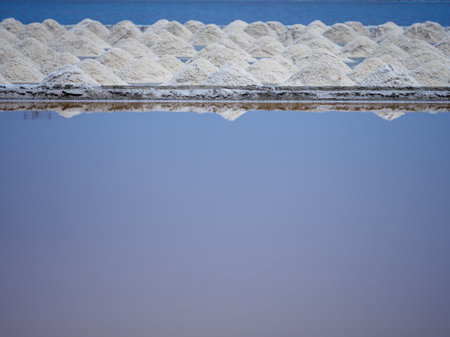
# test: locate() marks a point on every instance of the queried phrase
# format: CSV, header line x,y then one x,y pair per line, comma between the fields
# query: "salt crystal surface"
x,y
35,51
385,30
173,46
258,29
177,29
365,68
68,75
194,73
149,39
220,55
444,46
297,51
207,35
360,47
84,31
144,71
432,73
57,62
319,74
95,27
7,35
100,73
242,39
231,75
358,27
265,46
3,80
53,27
123,30
35,30
171,63
277,27
116,58
194,25
340,33
291,34
135,48
16,68
428,31
235,26
12,25
270,71
390,76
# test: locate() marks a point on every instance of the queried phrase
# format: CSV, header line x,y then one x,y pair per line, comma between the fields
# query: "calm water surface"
x,y
179,224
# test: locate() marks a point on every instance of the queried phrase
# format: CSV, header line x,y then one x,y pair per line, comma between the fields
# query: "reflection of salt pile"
x,y
230,75
207,35
16,68
100,73
68,75
144,71
389,114
390,76
193,73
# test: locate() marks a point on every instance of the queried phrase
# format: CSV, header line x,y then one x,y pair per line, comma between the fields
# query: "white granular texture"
x,y
84,31
388,29
53,26
220,55
57,62
135,48
242,39
390,76
317,27
177,29
432,74
80,46
295,52
207,35
12,25
238,51
428,31
194,25
322,57
144,70
116,58
422,56
100,73
388,59
16,68
444,46
358,27
194,73
319,74
413,45
340,33
258,29
149,39
365,68
389,49
235,26
69,75
318,42
172,45
4,44
231,75
285,62
291,34
360,47
158,25
270,71
35,30
171,63
9,53
7,35
35,51
95,27
398,40
3,80
265,46
277,27
123,30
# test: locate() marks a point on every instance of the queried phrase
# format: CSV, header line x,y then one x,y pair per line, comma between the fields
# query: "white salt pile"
x,y
35,30
83,31
277,28
4,44
230,75
360,47
12,25
135,48
207,35
340,33
171,63
144,71
149,38
317,42
265,46
100,73
53,26
358,27
158,25
7,35
68,75
389,49
194,25
428,31
194,73
285,62
270,71
432,74
365,68
16,68
57,62
291,34
389,76
422,56
78,45
172,45
317,27
321,57
220,55
3,80
95,27
116,58
296,52
177,29
235,26
258,29
123,30
36,51
444,46
319,74
242,39
388,29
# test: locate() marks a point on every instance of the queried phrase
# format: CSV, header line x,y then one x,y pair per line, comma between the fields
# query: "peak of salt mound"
x,y
177,29
37,31
340,33
317,27
422,56
231,75
318,42
265,46
149,39
389,49
12,25
360,47
270,71
144,70
297,51
115,58
358,27
7,35
53,26
365,68
207,35
172,45
277,27
385,30
135,48
389,76
35,51
220,55
100,73
432,74
323,57
79,45
291,34
171,63
444,46
68,75
258,29
57,62
428,31
242,39
194,73
235,26
84,31
194,25
158,25
95,27
319,74
20,70
123,30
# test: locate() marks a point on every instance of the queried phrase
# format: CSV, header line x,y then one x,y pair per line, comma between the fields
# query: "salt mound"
x,y
412,45
390,76
318,42
194,26
422,56
317,27
285,62
319,74
365,68
7,35
323,57
37,31
235,26
12,25
220,55
258,29
386,30
358,27
340,33
149,39
20,70
269,71
68,75
194,73
100,73
4,44
398,40
291,34
242,39
432,74
175,46
177,29
389,49
57,62
3,80
277,27
144,70
80,46
171,63
207,35
9,54
53,27
230,75
360,47
95,27
297,51
444,46
123,30
84,31
35,51
157,25
135,48
265,46
388,59
428,31
116,58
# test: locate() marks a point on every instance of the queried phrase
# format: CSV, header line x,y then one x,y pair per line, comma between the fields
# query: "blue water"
x,y
223,12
